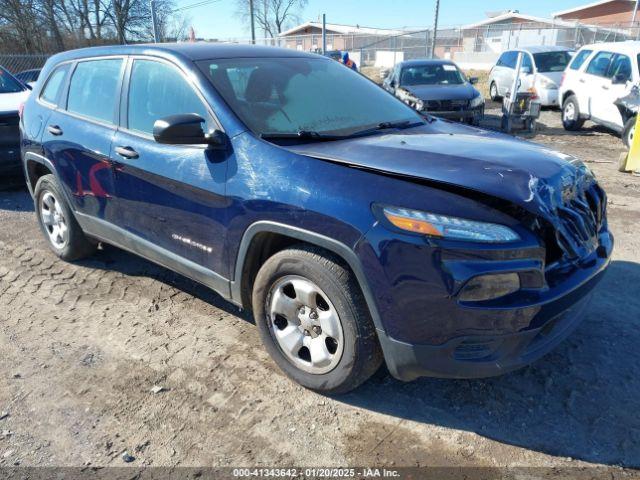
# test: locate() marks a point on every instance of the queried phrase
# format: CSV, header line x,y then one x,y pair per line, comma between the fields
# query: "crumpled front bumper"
x,y
475,114
500,335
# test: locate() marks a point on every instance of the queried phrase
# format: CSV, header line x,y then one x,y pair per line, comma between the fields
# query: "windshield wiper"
x,y
302,134
404,124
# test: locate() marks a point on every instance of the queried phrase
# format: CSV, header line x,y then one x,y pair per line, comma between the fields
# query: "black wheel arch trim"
x,y
347,254
343,251
42,160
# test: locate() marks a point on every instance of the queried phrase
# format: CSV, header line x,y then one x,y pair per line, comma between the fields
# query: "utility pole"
x,y
154,21
435,30
635,13
253,23
324,34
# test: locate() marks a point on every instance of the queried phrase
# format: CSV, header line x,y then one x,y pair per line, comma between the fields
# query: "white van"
x,y
598,76
542,69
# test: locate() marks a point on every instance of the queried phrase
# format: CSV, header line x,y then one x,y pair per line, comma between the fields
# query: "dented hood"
x,y
534,177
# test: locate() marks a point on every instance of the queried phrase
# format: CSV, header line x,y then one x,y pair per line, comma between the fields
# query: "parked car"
x,y
437,87
628,106
542,69
29,77
597,78
352,227
12,95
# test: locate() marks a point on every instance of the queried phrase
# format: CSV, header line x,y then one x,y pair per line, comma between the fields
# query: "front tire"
x,y
314,321
571,118
494,93
60,228
629,131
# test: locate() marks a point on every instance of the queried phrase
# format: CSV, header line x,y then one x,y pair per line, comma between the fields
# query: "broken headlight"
x,y
452,228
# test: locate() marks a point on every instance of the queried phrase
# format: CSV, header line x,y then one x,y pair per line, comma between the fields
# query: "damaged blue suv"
x,y
356,230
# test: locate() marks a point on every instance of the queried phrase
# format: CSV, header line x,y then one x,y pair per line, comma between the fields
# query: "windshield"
x,y
437,74
8,84
552,61
292,95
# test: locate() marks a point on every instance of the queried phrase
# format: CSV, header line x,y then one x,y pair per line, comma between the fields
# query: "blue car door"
x,y
170,198
78,135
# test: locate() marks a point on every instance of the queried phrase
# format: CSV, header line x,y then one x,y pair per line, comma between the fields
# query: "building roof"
x,y
516,16
585,7
343,29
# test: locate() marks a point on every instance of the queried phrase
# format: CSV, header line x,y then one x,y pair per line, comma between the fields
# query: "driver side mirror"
x,y
186,129
619,79
473,80
527,70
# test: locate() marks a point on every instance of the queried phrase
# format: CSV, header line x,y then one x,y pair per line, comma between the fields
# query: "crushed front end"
x,y
467,310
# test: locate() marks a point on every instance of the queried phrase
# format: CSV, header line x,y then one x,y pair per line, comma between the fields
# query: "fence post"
x,y
324,34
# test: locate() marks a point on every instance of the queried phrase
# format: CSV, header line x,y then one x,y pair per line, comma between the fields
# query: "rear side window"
x,y
600,64
620,67
157,90
93,88
581,57
51,91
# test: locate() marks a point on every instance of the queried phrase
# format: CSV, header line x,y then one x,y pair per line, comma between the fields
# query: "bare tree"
x,y
272,16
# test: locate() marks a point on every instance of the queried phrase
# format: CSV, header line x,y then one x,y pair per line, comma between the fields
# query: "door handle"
x,y
127,152
54,130
604,87
581,80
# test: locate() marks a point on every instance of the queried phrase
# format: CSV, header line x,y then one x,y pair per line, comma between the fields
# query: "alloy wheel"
x,y
569,112
54,220
305,325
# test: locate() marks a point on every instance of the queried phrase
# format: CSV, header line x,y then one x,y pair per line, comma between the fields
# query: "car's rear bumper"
x,y
10,164
548,98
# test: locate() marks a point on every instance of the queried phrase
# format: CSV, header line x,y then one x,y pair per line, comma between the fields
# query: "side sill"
x,y
109,233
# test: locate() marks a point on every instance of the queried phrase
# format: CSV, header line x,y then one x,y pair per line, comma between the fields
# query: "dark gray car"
x,y
437,87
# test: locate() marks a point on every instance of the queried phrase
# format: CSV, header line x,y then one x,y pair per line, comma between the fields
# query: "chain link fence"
x,y
474,47
19,63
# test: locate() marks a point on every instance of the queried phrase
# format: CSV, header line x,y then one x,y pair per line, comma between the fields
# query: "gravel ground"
x,y
82,345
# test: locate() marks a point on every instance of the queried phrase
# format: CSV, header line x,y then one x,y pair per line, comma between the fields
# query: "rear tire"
x,y
629,132
571,119
60,228
314,321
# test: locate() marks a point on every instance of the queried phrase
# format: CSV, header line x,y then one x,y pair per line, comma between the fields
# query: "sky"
x,y
219,19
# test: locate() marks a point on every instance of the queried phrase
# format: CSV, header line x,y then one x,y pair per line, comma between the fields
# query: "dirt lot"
x,y
81,346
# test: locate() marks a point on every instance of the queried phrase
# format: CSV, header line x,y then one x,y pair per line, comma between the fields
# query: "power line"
x,y
194,5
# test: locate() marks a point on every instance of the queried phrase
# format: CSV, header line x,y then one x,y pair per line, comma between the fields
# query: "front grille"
x,y
582,218
446,105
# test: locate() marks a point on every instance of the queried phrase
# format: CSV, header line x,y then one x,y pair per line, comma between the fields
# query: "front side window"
x,y
580,58
600,64
510,59
548,62
93,88
8,84
157,90
436,74
290,95
51,91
